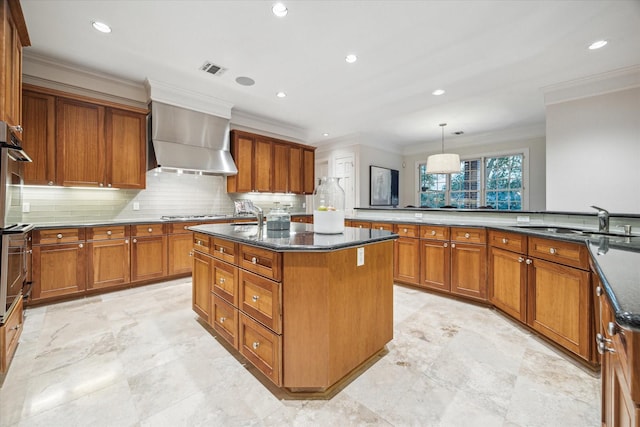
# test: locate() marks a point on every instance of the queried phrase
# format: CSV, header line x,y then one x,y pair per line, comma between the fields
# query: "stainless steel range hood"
x,y
190,141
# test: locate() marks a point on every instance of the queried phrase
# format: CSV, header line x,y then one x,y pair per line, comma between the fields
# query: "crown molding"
x,y
242,120
173,95
599,84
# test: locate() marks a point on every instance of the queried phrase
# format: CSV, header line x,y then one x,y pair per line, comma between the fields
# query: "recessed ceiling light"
x,y
351,58
280,10
438,92
598,44
245,81
325,134
281,95
101,26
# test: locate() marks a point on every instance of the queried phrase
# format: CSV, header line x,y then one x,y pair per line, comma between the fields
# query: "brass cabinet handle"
x,y
255,298
255,345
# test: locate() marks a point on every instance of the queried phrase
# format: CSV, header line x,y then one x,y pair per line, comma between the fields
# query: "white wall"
x,y
593,153
537,179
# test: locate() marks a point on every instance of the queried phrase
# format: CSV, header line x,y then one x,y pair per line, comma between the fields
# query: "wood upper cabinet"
x,y
59,263
13,36
108,256
39,137
508,282
270,165
126,150
80,143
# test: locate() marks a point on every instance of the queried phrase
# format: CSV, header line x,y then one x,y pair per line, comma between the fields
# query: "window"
x,y
492,181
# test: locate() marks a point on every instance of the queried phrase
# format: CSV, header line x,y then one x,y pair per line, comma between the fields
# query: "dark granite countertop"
x,y
77,224
300,237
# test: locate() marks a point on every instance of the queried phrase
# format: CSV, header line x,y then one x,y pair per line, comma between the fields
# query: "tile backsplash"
x,y
165,194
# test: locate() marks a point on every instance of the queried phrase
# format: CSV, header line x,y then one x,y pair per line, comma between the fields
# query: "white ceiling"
x,y
492,57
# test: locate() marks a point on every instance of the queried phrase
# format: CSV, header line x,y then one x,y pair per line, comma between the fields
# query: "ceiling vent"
x,y
212,68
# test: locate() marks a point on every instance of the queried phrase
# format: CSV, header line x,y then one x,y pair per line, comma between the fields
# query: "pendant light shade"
x,y
445,162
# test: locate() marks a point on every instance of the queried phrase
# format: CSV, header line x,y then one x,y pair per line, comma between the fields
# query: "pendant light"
x,y
445,162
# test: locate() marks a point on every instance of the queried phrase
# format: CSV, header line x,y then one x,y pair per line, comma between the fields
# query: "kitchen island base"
x,y
310,320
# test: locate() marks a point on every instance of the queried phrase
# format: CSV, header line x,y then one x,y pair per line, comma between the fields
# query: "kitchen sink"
x,y
551,229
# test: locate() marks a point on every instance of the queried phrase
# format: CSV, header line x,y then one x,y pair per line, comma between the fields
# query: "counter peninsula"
x,y
306,309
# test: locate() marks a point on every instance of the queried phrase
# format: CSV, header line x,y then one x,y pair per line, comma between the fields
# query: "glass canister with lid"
x,y
328,207
278,218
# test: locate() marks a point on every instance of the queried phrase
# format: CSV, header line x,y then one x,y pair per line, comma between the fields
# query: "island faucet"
x,y
258,211
603,219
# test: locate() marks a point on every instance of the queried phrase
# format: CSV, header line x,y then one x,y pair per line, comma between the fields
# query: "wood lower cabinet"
x,y
148,252
469,270
180,245
108,257
224,319
435,258
620,371
406,254
202,283
10,333
59,269
508,282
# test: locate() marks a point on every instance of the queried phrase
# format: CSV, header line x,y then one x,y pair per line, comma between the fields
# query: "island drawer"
x,y
225,282
261,261
201,243
261,299
58,235
108,232
225,250
382,226
434,232
566,253
141,230
510,241
360,224
468,235
10,334
261,347
407,230
181,227
224,319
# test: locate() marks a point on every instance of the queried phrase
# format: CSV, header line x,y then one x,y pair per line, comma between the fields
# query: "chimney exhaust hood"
x,y
189,140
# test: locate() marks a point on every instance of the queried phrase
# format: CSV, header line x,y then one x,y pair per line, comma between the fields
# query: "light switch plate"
x,y
136,206
360,257
26,207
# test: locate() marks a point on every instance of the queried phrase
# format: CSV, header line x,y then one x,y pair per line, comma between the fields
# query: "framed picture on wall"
x,y
383,184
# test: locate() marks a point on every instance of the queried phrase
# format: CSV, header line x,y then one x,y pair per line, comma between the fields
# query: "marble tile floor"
x,y
139,357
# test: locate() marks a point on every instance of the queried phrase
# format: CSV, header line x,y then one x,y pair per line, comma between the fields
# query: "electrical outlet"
x,y
26,207
522,219
418,215
360,257
136,206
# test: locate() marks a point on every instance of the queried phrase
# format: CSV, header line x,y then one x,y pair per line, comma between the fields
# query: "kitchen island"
x,y
306,309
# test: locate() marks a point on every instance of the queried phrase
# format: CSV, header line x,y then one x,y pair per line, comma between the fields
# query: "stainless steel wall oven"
x,y
16,237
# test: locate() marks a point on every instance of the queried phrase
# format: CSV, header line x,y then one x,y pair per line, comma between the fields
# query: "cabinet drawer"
x,y
142,230
58,235
108,232
510,241
225,250
360,224
407,230
9,336
202,243
382,226
224,319
468,235
225,282
260,298
261,261
434,232
261,347
180,227
566,253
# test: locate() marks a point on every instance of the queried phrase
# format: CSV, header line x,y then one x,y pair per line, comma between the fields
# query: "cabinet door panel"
x,y
261,299
148,258
280,182
39,137
108,263
559,305
80,151
126,154
407,260
12,71
201,285
263,164
308,171
242,152
469,270
295,170
180,246
225,282
508,282
435,262
58,270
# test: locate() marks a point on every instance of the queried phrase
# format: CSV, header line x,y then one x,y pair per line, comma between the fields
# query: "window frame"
x,y
524,152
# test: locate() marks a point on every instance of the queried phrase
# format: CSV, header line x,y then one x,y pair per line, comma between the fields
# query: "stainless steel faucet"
x,y
258,211
603,219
